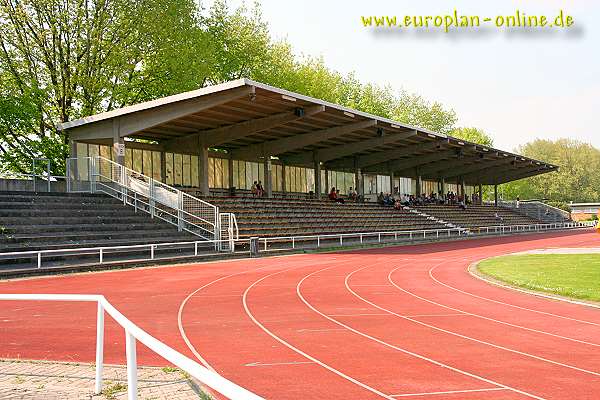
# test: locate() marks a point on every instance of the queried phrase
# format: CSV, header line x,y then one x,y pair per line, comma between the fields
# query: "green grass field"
x,y
571,275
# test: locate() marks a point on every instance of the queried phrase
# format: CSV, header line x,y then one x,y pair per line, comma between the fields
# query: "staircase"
x,y
44,221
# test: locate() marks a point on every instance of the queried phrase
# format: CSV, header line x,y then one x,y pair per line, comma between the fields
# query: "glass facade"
x,y
183,170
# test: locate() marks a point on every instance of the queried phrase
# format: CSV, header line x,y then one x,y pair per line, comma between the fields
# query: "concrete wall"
x,y
21,185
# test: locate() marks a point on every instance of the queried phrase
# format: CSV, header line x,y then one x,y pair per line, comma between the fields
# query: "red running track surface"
x,y
397,322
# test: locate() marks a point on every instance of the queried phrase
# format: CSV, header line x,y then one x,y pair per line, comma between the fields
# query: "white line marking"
x,y
438,363
319,330
297,350
449,392
358,315
180,314
260,364
478,315
464,336
461,314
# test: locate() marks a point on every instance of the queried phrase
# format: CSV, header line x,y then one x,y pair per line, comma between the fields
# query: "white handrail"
x,y
413,234
133,333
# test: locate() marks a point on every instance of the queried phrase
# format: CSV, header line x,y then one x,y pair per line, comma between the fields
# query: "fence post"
x,y
151,198
99,348
48,176
293,242
152,252
341,240
131,366
39,259
68,175
195,248
179,211
101,255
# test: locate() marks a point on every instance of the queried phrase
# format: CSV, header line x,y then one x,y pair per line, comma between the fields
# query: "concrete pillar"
x,y
118,143
419,184
163,167
283,179
203,170
327,182
443,183
230,164
72,148
496,195
358,181
462,189
480,194
268,179
317,179
392,182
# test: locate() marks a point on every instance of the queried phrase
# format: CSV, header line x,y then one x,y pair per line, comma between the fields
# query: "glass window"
x,y
194,171
156,165
177,165
147,162
187,171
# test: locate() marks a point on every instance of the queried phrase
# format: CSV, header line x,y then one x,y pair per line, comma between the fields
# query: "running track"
x,y
394,323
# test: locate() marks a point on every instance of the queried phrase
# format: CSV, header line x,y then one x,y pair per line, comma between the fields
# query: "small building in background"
x,y
584,211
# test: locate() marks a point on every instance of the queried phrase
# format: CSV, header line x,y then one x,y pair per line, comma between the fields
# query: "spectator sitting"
x,y
334,196
352,195
462,205
260,191
397,204
498,217
254,189
388,200
339,198
380,198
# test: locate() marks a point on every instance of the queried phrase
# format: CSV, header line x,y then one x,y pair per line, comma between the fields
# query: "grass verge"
x,y
571,275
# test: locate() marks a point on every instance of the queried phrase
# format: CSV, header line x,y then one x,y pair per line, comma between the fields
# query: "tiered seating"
x,y
291,217
45,221
476,216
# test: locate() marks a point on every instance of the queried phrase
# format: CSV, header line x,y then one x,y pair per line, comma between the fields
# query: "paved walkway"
x,y
32,380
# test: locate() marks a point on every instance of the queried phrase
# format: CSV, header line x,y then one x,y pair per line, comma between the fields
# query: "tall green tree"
x,y
472,134
578,177
72,58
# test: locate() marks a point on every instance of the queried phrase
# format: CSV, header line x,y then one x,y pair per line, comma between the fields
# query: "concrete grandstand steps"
x,y
292,217
476,215
51,221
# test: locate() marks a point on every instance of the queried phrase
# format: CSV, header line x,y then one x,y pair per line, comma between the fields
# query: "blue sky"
x,y
515,86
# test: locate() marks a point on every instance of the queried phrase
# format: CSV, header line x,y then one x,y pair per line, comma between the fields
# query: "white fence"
x,y
40,259
133,333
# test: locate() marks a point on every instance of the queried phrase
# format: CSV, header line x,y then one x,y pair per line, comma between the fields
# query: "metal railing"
x,y
41,181
188,213
536,209
133,333
57,258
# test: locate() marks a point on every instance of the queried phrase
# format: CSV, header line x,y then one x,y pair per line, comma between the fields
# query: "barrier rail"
x,y
250,246
133,333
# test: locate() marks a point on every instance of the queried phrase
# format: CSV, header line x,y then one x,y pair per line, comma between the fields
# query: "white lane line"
x,y
319,330
543,295
479,315
358,315
405,351
449,392
297,350
467,337
438,315
180,315
261,364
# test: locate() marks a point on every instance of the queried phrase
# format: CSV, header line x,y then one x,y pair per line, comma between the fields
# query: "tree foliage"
x,y
578,177
474,135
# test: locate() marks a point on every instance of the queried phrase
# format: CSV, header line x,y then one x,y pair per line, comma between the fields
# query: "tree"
x,y
75,58
578,177
474,135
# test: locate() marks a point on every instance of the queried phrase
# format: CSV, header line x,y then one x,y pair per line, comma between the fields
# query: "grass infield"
x,y
571,275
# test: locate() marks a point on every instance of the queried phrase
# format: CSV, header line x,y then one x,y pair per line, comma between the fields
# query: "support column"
x,y
462,189
496,195
480,195
118,143
268,179
230,164
327,182
392,182
419,184
203,169
317,179
72,148
358,181
163,167
283,179
443,183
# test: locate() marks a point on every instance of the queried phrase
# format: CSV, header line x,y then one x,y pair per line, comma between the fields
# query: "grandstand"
x,y
181,168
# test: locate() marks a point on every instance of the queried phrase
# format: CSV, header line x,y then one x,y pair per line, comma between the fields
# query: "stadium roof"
x,y
251,121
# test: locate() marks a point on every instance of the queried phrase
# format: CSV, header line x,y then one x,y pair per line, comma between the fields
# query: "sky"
x,y
515,85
